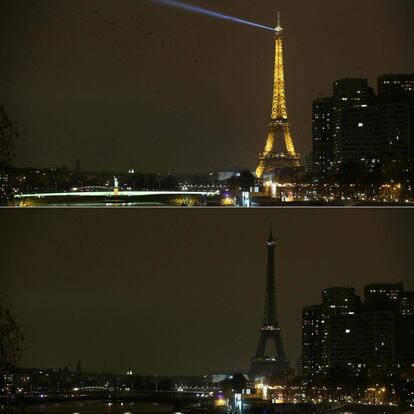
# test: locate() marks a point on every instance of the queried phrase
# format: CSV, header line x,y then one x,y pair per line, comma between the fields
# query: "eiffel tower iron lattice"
x,y
279,125
265,365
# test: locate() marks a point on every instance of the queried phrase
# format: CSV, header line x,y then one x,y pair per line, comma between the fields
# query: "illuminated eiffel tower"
x,y
269,159
265,364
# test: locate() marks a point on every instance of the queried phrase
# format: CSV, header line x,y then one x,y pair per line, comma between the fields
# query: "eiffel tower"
x,y
271,160
265,365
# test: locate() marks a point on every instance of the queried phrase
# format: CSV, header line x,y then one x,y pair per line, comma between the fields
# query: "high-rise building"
x,y
322,136
350,129
339,301
406,304
382,295
351,93
355,125
396,85
299,367
312,340
309,163
395,104
375,336
339,305
338,346
379,332
404,340
390,132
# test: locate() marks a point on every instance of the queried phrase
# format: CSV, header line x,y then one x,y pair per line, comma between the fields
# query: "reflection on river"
x,y
92,407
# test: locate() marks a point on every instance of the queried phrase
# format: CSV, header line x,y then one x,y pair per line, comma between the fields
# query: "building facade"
x,y
312,340
355,125
322,151
343,332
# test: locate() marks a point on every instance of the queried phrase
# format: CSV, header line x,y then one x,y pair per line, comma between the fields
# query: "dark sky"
x,y
182,291
108,81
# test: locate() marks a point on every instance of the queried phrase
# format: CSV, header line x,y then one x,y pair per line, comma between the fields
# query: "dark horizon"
x,y
181,292
166,88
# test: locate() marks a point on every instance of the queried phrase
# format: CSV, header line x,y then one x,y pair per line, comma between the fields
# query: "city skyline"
x,y
120,78
167,299
207,206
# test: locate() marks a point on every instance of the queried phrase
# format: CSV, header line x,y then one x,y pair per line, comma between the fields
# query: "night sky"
x,y
178,291
111,81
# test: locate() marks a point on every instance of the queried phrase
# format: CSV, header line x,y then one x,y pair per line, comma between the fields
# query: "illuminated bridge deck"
x,y
174,198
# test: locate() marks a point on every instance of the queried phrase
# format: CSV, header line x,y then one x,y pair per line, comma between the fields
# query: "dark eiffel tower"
x,y
266,365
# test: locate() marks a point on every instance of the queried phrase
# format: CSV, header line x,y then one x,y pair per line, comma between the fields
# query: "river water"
x,y
92,407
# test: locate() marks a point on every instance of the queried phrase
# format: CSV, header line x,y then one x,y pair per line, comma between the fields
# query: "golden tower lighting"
x,y
269,159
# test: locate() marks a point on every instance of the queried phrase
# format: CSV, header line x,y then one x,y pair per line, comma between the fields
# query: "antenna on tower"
x,y
270,240
129,372
278,28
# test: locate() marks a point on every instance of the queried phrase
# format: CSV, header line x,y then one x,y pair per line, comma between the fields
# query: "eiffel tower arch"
x,y
279,126
264,365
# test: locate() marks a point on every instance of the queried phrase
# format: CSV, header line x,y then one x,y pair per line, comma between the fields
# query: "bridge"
x,y
119,197
117,194
165,401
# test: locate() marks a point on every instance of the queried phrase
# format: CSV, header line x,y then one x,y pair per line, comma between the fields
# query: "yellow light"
x,y
264,392
227,201
259,385
279,117
221,402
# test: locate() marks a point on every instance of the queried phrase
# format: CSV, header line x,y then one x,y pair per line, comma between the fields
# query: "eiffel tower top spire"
x,y
270,310
278,28
271,240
